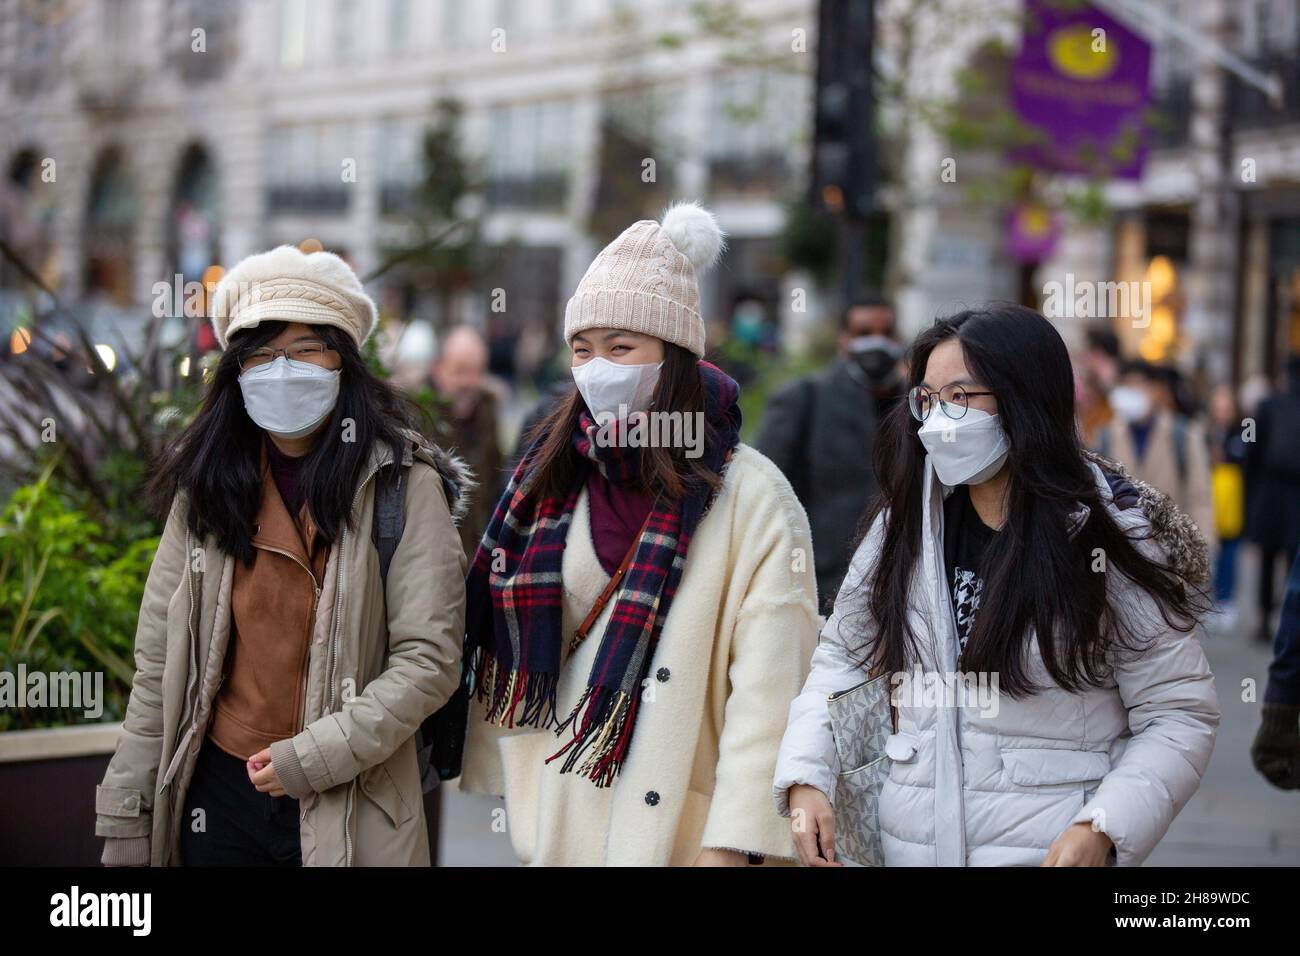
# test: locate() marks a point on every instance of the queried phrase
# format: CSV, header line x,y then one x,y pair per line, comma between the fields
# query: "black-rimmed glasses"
x,y
953,399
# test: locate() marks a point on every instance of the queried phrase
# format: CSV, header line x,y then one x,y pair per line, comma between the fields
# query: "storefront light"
x,y
1162,325
1162,277
19,341
107,356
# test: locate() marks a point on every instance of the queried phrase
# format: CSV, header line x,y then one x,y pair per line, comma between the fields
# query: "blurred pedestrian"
x,y
749,341
459,374
1157,443
1100,374
714,616
1273,489
1276,750
266,551
1228,487
820,430
1098,712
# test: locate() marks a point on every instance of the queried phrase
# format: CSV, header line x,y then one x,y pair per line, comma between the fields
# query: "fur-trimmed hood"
x,y
1171,528
458,480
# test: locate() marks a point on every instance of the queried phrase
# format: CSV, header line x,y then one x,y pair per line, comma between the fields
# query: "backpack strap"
x,y
440,738
390,516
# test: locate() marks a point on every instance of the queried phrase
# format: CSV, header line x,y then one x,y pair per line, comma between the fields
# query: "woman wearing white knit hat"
x,y
640,611
292,639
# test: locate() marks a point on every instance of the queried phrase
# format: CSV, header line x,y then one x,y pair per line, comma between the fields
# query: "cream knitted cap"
x,y
289,285
645,280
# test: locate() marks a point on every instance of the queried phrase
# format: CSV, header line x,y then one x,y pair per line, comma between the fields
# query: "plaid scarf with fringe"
x,y
514,611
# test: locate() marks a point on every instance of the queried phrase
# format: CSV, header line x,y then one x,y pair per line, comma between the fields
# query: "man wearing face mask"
x,y
820,430
1159,444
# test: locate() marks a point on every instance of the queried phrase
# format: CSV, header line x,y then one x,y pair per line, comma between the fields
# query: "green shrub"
x,y
69,598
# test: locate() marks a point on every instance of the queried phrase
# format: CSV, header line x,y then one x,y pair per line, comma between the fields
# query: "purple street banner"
x,y
1032,231
1082,82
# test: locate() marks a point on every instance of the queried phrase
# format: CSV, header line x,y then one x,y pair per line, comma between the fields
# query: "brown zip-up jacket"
x,y
273,603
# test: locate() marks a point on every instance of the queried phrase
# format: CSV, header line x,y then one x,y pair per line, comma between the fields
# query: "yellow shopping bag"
x,y
1229,490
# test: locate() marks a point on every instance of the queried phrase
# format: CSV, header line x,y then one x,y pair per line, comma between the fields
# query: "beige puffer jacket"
x,y
377,668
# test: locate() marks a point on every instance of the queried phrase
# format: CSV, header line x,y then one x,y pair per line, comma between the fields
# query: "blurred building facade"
x,y
1211,224
147,138
1214,223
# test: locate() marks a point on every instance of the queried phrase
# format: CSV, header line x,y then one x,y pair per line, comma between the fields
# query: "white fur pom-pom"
x,y
694,232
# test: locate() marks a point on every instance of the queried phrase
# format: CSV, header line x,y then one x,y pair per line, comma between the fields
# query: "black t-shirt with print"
x,y
965,539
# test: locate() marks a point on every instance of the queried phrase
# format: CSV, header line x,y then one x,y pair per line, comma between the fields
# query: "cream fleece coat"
x,y
733,655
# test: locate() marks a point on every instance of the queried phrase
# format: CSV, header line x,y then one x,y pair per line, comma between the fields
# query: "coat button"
x,y
663,674
130,803
652,798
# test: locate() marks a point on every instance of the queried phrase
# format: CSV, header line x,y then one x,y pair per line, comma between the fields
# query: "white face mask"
x,y
1130,403
967,451
289,399
606,385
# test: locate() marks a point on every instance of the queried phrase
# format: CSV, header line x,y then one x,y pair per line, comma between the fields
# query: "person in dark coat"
x,y
458,374
1273,487
1276,750
820,431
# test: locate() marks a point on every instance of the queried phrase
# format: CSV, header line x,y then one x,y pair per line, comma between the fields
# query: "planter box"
x,y
47,795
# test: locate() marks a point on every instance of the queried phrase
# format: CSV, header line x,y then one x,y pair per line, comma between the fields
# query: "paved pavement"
x,y
1236,817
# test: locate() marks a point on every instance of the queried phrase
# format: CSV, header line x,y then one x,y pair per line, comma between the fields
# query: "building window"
x,y
400,162
345,30
293,34
108,243
453,23
399,25
220,27
529,154
306,168
756,123
38,48
507,15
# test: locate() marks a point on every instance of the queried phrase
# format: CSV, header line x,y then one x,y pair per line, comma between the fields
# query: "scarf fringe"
x,y
606,730
502,691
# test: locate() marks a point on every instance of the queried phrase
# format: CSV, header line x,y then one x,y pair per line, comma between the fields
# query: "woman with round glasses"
x,y
281,671
1033,608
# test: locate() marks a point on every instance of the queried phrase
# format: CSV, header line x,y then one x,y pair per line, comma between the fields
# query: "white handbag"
x,y
861,721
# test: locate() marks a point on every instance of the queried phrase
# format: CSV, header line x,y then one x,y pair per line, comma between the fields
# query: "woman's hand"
x,y
813,822
1079,845
263,775
714,857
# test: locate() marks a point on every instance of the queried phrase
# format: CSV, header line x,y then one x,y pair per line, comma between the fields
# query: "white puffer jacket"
x,y
970,787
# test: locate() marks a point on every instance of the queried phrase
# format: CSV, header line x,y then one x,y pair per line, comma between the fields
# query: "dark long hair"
x,y
667,470
1034,575
215,461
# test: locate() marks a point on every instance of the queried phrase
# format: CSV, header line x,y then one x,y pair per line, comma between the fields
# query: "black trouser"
x,y
1267,589
240,826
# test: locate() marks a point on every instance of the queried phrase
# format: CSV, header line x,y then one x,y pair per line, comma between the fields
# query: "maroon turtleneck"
x,y
287,472
617,514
